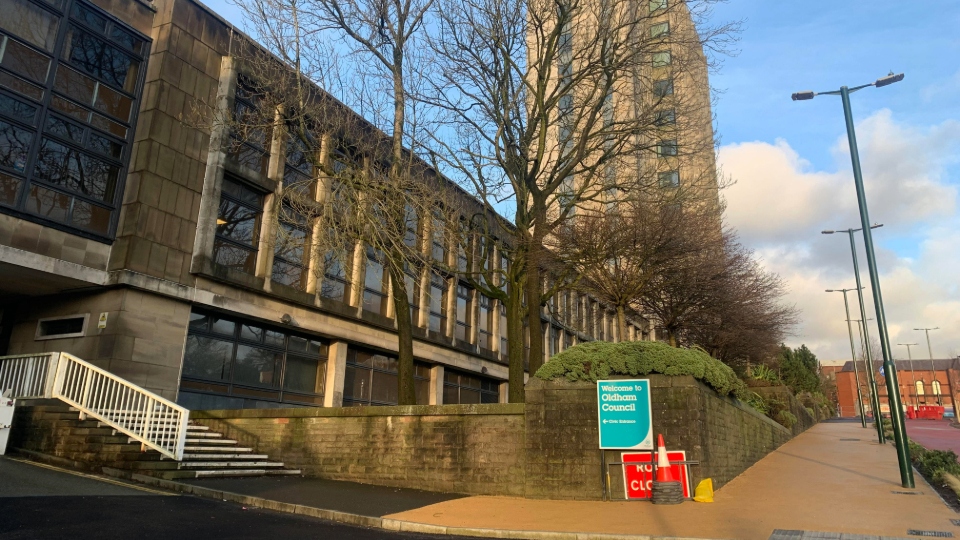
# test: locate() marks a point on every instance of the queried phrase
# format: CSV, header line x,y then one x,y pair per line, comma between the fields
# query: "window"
x,y
556,333
256,365
485,324
661,59
660,29
438,303
504,344
291,256
935,386
238,227
411,281
667,148
464,294
371,379
666,118
669,179
663,88
251,135
439,249
375,283
336,283
465,388
62,327
68,95
657,5
919,385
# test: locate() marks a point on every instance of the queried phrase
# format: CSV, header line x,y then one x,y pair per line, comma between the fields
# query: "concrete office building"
x,y
112,244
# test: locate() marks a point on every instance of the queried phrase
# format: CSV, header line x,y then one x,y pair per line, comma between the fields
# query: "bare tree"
x,y
543,100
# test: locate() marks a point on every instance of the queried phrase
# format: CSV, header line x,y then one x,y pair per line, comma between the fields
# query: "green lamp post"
x,y
889,371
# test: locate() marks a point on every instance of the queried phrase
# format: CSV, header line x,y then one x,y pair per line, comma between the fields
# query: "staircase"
x,y
96,419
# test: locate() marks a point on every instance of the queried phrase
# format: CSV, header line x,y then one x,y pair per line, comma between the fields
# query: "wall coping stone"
x,y
398,410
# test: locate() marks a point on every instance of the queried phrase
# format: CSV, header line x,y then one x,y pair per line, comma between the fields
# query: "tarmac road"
x,y
934,434
40,503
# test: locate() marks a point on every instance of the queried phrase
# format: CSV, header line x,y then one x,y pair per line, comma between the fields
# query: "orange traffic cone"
x,y
664,473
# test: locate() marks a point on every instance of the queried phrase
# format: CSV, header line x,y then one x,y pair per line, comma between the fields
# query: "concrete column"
x,y
213,173
504,392
321,195
357,268
336,369
495,326
271,207
436,385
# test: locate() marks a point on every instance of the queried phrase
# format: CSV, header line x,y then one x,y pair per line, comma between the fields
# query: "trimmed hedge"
x,y
600,359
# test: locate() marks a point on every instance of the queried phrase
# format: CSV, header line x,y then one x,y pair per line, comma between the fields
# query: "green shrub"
x,y
764,373
935,463
599,360
786,419
756,401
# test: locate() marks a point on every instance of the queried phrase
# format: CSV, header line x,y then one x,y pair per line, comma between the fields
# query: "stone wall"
x,y
563,461
455,448
546,448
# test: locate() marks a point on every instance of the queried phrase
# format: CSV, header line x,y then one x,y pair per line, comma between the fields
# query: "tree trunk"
x,y
622,323
534,292
515,342
406,389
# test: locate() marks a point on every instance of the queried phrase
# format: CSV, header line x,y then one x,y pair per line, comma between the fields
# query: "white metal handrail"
x,y
155,422
28,376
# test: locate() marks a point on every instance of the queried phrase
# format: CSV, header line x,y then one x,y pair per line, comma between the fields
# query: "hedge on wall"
x,y
600,360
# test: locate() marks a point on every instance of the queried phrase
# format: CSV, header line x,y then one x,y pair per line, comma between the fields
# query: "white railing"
x,y
28,375
155,422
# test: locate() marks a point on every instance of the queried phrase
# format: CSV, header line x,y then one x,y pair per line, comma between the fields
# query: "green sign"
x,y
624,410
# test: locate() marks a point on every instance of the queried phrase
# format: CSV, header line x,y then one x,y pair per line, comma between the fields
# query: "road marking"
x,y
93,477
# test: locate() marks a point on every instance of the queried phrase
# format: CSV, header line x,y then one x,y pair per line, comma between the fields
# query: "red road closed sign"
x,y
638,479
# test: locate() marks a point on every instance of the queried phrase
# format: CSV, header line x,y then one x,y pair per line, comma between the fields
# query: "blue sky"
x,y
792,167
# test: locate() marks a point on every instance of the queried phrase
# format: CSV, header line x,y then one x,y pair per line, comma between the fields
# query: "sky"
x,y
791,167
791,163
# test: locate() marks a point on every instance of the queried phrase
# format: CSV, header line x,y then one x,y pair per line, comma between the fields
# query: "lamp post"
x,y
867,353
871,378
896,411
913,375
932,367
853,354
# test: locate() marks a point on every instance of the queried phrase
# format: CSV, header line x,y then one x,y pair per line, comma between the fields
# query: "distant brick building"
x,y
922,382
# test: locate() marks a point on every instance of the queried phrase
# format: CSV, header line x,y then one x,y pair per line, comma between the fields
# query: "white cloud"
x,y
780,204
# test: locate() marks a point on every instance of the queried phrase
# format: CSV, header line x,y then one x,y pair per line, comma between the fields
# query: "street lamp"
x,y
932,367
853,354
871,378
913,375
890,373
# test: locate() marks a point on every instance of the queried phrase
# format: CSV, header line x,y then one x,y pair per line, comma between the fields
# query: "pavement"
x,y
350,497
934,434
39,502
833,481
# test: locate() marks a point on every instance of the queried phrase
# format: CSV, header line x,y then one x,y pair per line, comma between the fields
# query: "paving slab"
x,y
832,480
350,497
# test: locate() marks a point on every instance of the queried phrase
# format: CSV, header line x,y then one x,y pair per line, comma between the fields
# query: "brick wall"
x,y
454,448
546,448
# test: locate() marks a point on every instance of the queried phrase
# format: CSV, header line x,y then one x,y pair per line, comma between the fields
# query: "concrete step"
x,y
192,457
229,464
284,472
197,427
224,442
204,435
215,449
229,472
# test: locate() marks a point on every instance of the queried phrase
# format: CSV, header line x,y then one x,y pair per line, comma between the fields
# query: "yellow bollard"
x,y
704,491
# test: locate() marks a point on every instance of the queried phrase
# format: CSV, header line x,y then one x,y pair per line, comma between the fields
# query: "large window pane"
x,y
30,23
100,59
24,60
256,366
356,384
76,171
91,217
9,189
17,109
207,358
75,85
14,146
384,389
304,374
233,256
48,203
237,222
